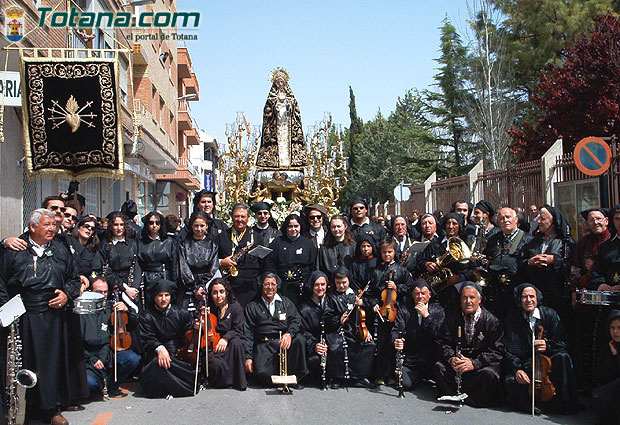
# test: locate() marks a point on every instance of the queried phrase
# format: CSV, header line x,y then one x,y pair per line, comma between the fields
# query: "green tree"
x,y
445,106
537,30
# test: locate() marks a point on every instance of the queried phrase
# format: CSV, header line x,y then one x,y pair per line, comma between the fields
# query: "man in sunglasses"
x,y
265,229
315,223
69,219
361,224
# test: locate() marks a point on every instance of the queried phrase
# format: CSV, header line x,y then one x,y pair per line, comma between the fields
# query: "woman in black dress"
x,y
84,232
158,255
227,358
117,257
197,258
338,248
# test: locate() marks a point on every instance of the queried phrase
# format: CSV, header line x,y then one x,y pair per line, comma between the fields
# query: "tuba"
x,y
458,251
18,379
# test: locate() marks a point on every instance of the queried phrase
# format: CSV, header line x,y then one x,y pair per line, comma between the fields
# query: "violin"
x,y
208,338
362,330
121,338
543,387
388,298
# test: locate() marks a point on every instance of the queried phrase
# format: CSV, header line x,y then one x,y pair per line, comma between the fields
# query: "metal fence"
x,y
519,185
446,191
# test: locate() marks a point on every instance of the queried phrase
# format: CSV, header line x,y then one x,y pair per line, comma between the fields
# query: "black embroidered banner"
x,y
72,122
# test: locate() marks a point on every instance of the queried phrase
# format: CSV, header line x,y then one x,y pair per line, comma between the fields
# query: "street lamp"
x,y
188,97
138,3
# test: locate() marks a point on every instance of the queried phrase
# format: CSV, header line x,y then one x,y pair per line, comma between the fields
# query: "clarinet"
x,y
458,354
323,359
400,360
345,349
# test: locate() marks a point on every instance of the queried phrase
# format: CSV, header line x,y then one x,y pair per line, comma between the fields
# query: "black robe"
x,y
402,279
96,331
264,237
361,272
43,330
504,254
228,368
158,259
448,296
118,259
248,266
197,264
605,396
347,356
293,261
607,264
518,356
165,328
374,230
552,281
420,341
486,350
262,334
312,326
335,256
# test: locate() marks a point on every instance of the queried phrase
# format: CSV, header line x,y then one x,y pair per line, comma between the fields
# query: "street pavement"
x,y
307,406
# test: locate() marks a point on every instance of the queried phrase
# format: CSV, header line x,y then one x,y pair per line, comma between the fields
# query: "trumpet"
x,y
284,378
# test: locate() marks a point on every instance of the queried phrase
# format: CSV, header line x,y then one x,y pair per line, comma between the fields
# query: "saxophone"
x,y
18,379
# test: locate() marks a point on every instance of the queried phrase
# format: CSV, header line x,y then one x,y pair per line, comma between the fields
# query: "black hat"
x,y
458,217
519,290
358,201
603,211
318,207
562,227
260,206
485,206
462,285
421,283
129,208
613,315
164,286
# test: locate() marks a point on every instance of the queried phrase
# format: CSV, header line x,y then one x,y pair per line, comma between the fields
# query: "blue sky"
x,y
381,48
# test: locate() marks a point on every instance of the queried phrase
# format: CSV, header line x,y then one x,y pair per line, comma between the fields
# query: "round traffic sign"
x,y
592,156
402,193
180,197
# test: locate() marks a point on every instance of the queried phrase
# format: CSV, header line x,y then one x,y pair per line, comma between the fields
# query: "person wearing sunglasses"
x,y
69,219
158,255
266,228
314,225
361,224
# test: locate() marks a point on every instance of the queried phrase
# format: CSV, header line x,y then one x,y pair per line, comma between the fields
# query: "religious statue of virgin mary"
x,y
282,144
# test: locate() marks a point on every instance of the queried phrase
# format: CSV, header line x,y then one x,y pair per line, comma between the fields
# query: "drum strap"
x,y
514,244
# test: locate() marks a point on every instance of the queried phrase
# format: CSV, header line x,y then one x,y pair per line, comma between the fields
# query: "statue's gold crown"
x,y
278,74
14,12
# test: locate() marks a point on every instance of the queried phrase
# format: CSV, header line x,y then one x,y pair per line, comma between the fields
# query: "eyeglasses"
x,y
358,208
154,223
88,226
262,213
269,284
56,207
73,217
315,217
596,220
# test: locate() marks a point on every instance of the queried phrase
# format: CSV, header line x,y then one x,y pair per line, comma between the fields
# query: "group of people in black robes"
x,y
461,299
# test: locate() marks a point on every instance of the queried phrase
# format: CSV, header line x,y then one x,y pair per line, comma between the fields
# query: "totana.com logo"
x,y
76,18
14,27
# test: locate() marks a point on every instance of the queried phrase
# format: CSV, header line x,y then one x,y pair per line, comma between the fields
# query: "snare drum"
x,y
89,303
588,297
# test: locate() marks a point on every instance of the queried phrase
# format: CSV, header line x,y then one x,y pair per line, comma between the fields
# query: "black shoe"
x,y
116,393
335,385
365,383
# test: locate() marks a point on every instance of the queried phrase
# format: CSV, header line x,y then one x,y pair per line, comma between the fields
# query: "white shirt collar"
x,y
321,232
258,226
38,249
366,221
271,306
115,241
152,238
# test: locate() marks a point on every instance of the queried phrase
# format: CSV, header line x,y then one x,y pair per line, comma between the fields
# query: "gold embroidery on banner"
x,y
41,157
70,114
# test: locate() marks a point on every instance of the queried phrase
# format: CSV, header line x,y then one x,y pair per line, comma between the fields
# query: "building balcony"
x,y
184,63
139,56
190,85
191,137
186,122
158,148
186,175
